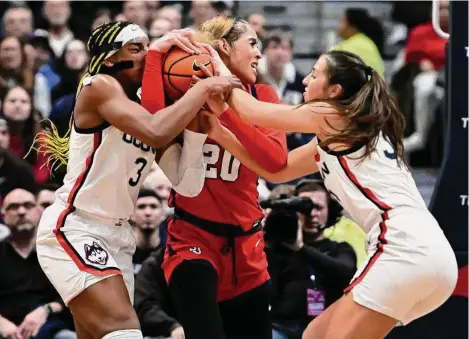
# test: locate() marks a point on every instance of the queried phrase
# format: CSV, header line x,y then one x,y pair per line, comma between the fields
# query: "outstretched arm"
x,y
256,140
112,104
300,161
308,118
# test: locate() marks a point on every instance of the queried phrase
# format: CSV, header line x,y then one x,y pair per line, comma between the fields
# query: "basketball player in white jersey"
x,y
411,269
84,241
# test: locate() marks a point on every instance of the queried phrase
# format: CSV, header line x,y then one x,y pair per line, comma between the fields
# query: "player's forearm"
x,y
228,141
172,120
300,161
260,113
185,168
256,143
152,83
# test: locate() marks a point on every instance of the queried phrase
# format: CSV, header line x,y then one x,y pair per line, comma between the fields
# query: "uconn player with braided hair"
x,y
411,269
84,241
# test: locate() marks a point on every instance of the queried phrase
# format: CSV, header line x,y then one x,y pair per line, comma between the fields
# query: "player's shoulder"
x,y
266,93
264,88
101,86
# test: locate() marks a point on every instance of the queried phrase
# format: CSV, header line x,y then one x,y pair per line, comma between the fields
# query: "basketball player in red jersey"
x,y
215,263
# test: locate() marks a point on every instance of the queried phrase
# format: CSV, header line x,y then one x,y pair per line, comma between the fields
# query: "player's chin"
x,y
249,77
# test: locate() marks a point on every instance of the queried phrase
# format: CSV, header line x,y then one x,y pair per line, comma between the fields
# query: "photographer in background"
x,y
308,271
339,228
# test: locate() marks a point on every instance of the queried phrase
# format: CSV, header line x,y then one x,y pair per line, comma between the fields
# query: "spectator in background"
x,y
158,182
18,21
29,304
45,197
23,124
364,36
148,215
14,171
203,10
172,14
153,304
57,13
42,52
257,22
159,27
101,16
14,67
136,12
38,53
43,59
426,49
152,5
279,71
70,67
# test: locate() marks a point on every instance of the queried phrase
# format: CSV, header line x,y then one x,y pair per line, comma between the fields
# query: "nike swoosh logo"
x,y
196,67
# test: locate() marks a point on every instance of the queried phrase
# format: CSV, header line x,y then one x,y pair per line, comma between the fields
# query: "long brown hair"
x,y
366,104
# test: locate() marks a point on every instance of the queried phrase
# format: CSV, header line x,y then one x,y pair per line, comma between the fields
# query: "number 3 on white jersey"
x,y
229,170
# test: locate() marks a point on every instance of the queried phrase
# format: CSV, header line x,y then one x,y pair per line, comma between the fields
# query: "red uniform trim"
x,y
382,225
60,235
380,249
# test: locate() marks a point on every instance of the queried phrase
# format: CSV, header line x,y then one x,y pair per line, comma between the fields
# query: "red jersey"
x,y
230,192
424,43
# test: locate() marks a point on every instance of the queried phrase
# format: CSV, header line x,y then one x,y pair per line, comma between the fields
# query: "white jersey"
x,y
368,188
105,170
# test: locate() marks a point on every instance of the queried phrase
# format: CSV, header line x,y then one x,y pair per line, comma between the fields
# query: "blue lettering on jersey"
x,y
390,155
137,143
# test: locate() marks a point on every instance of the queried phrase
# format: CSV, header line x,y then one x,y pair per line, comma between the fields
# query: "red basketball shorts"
x,y
188,242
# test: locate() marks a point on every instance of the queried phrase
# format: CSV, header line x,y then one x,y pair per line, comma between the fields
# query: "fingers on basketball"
x,y
181,70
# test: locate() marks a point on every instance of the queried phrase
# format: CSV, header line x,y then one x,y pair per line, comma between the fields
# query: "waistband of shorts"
x,y
216,228
89,216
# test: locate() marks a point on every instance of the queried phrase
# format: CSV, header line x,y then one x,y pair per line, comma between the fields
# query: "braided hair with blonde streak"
x,y
99,44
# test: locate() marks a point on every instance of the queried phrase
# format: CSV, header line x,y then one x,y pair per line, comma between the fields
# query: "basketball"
x,y
178,68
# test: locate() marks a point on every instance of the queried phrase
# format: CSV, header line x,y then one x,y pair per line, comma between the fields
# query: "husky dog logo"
x,y
96,254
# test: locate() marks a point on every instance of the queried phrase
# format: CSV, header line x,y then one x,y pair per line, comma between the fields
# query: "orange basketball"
x,y
178,68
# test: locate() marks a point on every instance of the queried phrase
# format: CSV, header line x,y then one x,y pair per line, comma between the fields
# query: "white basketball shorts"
x,y
411,268
77,250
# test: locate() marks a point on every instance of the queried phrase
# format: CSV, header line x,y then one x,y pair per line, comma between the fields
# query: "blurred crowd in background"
x,y
42,57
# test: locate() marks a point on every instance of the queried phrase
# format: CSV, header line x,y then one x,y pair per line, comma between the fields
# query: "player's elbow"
x,y
273,179
192,181
189,189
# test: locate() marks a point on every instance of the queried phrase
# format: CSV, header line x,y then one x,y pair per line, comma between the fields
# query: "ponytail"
x,y
366,105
